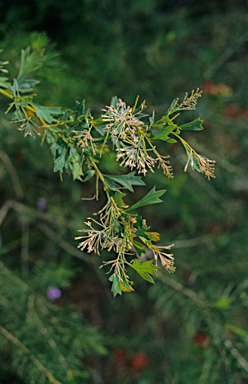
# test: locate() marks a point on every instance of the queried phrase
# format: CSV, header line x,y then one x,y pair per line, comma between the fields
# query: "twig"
x,y
11,246
51,342
219,160
202,240
64,245
237,44
207,187
13,277
13,174
24,243
23,209
236,354
4,210
34,214
180,288
44,309
74,252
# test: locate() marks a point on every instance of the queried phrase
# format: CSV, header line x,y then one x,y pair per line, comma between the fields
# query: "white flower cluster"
x,y
129,135
121,122
167,259
93,240
190,102
136,155
106,238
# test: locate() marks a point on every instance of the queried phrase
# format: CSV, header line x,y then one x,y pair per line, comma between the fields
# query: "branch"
x,y
51,342
13,277
236,354
180,288
24,243
11,169
4,210
65,245
27,352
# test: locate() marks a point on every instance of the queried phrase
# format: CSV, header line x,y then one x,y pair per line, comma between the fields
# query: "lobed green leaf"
x,y
144,269
116,286
60,161
126,181
167,126
195,125
152,197
46,112
118,199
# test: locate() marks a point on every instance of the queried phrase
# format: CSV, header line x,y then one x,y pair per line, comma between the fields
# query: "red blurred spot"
x,y
201,339
215,89
140,361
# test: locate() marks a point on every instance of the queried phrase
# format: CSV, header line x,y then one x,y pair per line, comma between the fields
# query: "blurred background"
x,y
56,310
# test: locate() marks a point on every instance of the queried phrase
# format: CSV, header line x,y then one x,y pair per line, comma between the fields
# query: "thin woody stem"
x,y
31,109
99,173
185,144
6,93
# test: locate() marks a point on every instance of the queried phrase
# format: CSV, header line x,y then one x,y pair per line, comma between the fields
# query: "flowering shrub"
x,y
78,142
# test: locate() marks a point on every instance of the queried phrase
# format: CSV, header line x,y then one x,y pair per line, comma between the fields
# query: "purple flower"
x,y
41,204
53,293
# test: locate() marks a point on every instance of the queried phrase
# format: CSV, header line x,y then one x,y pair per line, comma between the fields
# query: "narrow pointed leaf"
x,y
174,104
125,284
140,248
167,126
114,101
4,82
154,236
14,89
152,197
26,85
88,175
30,62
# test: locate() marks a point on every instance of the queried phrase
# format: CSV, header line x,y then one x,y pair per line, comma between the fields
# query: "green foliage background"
x,y
190,327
